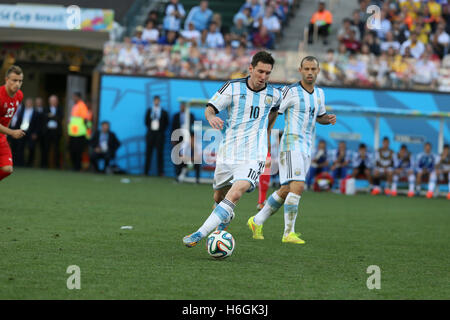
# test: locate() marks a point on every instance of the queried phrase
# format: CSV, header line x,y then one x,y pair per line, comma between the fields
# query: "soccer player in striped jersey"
x,y
404,167
252,105
443,166
426,167
303,104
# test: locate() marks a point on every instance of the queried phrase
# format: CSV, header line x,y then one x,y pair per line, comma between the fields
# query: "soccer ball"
x,y
220,244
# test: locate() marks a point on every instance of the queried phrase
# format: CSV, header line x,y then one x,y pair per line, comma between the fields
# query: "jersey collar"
x,y
246,82
301,85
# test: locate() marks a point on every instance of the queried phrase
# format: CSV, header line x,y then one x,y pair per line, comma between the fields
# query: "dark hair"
x,y
78,94
385,138
446,145
309,58
104,122
263,57
403,146
156,97
362,146
14,69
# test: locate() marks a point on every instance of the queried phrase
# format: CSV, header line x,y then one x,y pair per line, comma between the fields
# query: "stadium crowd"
x,y
408,48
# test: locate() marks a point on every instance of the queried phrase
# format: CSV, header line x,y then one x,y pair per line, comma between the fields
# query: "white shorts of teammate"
x,y
294,166
383,170
227,174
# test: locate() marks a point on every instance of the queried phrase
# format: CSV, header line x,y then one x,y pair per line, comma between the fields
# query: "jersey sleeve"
x,y
322,109
286,99
276,105
222,98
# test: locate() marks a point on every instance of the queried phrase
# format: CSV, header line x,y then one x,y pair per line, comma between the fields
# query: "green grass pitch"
x,y
50,220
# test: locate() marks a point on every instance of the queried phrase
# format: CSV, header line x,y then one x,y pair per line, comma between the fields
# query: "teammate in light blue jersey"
x,y
426,167
252,105
303,105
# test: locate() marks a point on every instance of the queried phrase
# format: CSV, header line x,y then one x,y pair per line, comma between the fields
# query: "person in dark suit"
x,y
179,121
52,118
104,145
28,120
156,121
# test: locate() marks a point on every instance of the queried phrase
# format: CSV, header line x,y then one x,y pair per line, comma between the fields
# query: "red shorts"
x,y
5,153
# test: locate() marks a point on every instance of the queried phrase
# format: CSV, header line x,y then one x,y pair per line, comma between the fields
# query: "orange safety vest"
x,y
324,17
77,125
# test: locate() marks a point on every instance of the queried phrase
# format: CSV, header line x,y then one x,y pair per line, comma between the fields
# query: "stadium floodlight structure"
x,y
366,112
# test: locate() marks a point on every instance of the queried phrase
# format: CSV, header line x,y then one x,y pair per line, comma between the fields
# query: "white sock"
x,y
221,213
273,203
290,212
411,180
432,182
394,182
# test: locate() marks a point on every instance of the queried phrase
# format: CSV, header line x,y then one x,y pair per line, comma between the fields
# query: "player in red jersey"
x,y
10,98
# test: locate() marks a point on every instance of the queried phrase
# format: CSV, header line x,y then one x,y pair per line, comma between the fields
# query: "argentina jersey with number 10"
x,y
245,135
300,109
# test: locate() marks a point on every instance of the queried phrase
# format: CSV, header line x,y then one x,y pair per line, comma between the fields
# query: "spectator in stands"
x,y
246,16
435,10
400,71
256,8
356,72
385,25
425,72
191,34
53,117
237,31
344,31
137,39
389,42
363,14
128,56
214,39
170,38
262,38
153,15
202,44
342,57
322,20
422,29
174,14
372,42
416,47
341,158
432,55
330,73
270,21
441,40
200,15
356,22
351,43
150,32
103,145
399,32
362,164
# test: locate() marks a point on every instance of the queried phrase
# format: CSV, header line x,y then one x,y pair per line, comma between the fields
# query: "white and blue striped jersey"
x,y
246,125
301,109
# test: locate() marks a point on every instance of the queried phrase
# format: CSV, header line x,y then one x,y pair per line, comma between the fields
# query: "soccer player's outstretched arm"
x,y
16,134
214,121
323,117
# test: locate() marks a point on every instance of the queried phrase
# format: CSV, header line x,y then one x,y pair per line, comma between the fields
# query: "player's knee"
x,y
283,191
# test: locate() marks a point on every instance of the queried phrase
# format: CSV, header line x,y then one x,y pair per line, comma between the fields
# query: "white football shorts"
x,y
294,166
227,174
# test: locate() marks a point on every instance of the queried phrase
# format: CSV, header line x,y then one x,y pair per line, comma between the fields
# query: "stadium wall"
x,y
123,101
